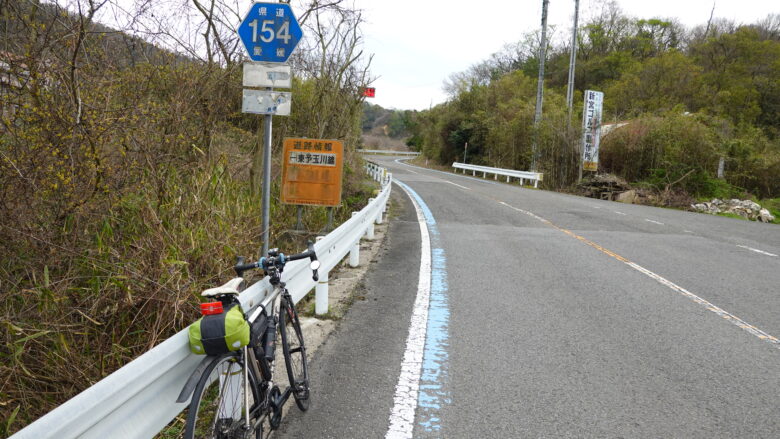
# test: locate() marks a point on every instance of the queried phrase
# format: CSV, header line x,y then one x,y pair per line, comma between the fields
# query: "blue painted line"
x,y
433,391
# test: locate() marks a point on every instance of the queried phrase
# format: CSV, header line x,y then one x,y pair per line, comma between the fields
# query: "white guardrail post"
x,y
370,229
321,290
354,254
138,400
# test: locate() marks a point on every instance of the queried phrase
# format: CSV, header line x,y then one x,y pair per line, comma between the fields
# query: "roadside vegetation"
x,y
385,128
129,178
691,97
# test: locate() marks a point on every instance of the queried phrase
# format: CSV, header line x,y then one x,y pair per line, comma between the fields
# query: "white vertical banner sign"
x,y
591,129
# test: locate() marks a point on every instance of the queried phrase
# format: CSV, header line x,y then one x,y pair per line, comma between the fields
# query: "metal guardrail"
x,y
138,400
376,172
387,152
536,177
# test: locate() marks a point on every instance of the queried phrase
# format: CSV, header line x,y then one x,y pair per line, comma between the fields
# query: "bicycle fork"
x,y
246,385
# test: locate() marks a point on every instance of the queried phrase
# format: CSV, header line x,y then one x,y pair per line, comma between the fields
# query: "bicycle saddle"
x,y
230,287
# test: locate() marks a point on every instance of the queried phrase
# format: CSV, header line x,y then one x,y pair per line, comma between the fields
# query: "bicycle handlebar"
x,y
278,260
310,253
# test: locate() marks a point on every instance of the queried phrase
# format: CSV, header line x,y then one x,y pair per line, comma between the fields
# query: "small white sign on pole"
x,y
591,129
258,74
276,103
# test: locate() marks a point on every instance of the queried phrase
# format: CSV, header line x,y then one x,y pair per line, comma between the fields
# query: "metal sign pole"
x,y
270,32
266,204
299,224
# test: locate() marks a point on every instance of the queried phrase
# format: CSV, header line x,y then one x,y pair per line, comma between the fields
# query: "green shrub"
x,y
671,151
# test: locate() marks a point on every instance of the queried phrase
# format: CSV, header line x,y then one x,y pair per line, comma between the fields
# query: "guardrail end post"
x,y
536,183
321,294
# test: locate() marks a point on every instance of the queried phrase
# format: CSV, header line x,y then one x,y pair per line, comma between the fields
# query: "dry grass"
x,y
83,298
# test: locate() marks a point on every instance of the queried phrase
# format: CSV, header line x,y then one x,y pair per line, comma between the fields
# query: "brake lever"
x,y
315,264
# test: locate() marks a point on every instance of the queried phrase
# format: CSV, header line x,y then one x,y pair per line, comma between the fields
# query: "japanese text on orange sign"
x,y
311,171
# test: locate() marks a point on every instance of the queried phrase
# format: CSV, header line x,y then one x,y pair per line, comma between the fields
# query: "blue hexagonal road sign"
x,y
270,32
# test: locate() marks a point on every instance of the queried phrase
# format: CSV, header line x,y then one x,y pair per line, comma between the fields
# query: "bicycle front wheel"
x,y
294,352
218,406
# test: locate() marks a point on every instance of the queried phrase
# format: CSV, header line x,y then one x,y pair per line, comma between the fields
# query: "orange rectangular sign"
x,y
311,171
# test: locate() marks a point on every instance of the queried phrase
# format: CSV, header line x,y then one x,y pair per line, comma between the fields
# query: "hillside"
x,y
129,182
386,128
692,97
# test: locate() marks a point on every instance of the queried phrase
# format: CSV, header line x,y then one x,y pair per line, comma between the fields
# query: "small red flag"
x,y
369,92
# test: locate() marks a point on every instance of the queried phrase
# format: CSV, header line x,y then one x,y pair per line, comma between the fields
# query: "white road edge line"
x,y
654,222
757,250
619,213
407,389
456,184
731,318
709,306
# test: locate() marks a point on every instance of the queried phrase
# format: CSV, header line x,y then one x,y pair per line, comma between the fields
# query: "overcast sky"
x,y
417,44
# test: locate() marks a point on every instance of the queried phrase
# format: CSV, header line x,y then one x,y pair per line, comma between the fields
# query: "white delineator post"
x,y
321,291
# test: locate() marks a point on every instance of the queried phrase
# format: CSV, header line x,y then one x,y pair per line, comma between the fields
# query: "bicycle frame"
x,y
257,357
260,365
272,303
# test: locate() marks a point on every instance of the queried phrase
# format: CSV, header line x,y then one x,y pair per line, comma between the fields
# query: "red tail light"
x,y
211,308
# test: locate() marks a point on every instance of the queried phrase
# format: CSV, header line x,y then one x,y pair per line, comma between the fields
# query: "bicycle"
x,y
230,400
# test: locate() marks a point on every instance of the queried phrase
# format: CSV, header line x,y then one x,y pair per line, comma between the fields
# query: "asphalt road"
x,y
558,316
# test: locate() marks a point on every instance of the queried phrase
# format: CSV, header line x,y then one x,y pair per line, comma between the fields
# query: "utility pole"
x,y
570,88
540,85
572,61
465,150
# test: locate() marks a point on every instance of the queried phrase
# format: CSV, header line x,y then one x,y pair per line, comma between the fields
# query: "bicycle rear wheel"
x,y
218,405
294,351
